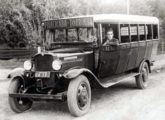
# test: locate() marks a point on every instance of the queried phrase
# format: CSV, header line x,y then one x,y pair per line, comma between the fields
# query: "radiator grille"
x,y
43,63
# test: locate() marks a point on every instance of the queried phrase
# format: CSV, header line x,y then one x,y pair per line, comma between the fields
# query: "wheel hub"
x,y
82,96
144,75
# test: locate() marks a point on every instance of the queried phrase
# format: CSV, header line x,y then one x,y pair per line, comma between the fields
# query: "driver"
x,y
110,40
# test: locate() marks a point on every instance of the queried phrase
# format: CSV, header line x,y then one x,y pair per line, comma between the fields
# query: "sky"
x,y
112,1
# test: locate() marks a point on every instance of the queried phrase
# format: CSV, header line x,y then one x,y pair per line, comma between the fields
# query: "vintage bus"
x,y
73,59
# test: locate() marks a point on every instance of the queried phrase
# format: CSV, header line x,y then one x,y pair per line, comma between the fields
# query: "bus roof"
x,y
89,20
121,18
129,19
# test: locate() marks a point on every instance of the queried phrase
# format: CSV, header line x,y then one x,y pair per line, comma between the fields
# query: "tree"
x,y
140,7
158,10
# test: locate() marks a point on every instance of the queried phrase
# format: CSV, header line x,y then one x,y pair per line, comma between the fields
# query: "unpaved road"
x,y
120,102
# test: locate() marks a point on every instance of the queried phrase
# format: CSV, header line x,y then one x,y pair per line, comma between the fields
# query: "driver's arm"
x,y
115,42
106,42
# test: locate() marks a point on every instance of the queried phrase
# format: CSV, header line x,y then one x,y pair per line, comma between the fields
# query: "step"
x,y
107,82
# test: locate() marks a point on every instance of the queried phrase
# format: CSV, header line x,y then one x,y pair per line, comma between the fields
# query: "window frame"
x,y
151,33
145,36
53,33
101,31
137,26
157,32
128,34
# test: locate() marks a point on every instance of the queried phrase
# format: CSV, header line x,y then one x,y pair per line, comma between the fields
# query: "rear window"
x,y
149,32
155,31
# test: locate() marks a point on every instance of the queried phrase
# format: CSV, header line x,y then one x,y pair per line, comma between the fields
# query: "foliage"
x,y
20,20
18,23
140,7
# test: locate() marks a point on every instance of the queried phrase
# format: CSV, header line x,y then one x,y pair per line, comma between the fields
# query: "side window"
x,y
72,35
142,32
82,34
106,27
92,34
96,31
49,36
149,31
134,32
124,33
60,35
155,31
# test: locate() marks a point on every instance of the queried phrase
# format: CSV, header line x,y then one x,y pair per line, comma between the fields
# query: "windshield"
x,y
71,35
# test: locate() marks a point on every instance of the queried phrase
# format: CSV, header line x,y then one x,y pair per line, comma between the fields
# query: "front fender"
x,y
16,72
73,73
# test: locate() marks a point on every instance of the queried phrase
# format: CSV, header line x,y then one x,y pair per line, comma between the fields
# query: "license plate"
x,y
42,74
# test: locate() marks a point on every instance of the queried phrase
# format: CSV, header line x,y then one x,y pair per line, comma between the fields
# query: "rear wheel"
x,y
142,79
18,104
79,96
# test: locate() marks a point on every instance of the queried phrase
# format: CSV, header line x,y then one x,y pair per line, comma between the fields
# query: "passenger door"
x,y
124,49
142,44
134,46
109,55
109,59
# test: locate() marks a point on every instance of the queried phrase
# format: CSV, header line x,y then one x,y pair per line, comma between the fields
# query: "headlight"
x,y
28,65
56,65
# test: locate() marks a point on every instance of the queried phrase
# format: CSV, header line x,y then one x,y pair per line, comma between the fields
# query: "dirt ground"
x,y
120,102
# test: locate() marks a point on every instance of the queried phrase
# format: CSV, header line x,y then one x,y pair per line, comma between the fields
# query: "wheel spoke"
x,y
18,104
142,80
82,95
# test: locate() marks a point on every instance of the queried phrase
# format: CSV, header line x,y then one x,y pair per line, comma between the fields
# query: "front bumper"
x,y
58,96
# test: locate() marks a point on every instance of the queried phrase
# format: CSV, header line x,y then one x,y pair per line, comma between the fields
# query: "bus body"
x,y
74,60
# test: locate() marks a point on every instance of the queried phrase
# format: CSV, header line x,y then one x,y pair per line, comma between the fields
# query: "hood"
x,y
66,52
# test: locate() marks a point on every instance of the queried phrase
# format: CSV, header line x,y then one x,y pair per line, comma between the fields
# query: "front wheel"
x,y
79,96
142,79
18,105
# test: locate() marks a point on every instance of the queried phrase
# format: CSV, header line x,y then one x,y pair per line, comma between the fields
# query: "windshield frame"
x,y
78,41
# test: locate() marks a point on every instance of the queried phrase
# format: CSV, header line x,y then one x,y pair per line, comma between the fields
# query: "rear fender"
x,y
141,64
73,73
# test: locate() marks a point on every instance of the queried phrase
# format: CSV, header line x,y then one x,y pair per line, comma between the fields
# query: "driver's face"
x,y
110,35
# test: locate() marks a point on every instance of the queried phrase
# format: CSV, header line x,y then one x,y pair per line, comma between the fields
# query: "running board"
x,y
107,82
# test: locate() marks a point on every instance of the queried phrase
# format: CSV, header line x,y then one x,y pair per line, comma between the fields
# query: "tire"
x,y
79,96
142,79
18,105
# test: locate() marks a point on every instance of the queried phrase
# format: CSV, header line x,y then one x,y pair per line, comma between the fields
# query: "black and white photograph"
x,y
82,60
